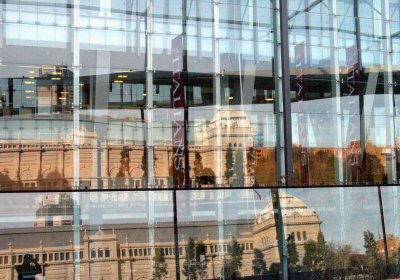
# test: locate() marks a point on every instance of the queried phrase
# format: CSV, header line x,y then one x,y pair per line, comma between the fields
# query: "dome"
x,y
290,206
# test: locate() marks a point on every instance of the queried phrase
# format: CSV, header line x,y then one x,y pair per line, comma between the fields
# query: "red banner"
x,y
178,116
353,130
353,72
300,56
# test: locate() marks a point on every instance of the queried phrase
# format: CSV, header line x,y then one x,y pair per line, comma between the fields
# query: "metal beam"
x,y
76,138
286,98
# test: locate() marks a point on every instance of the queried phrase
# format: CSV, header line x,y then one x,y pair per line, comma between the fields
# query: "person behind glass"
x,y
29,268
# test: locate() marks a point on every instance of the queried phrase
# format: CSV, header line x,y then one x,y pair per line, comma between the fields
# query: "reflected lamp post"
x,y
44,265
110,182
22,172
80,174
131,181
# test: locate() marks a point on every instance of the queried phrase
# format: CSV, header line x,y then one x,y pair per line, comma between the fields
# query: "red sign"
x,y
353,72
353,130
300,56
178,116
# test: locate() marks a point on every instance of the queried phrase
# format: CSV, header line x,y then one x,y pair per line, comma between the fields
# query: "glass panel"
x,y
36,82
343,232
342,85
227,233
390,202
40,230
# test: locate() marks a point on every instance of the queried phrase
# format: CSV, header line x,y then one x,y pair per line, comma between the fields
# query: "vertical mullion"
x,y
285,93
148,123
388,85
336,92
217,90
283,122
76,138
76,89
220,194
149,95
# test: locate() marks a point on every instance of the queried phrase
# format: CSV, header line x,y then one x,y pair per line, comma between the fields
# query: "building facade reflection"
x,y
124,251
142,101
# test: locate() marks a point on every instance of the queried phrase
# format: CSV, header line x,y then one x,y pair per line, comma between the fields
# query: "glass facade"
x,y
212,139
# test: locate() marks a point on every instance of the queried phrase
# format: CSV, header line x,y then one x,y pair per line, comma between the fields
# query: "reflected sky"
x,y
345,212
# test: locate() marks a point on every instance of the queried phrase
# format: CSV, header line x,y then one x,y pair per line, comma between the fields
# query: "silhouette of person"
x,y
29,268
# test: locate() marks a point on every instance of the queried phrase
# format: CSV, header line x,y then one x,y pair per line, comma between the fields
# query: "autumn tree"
x,y
322,167
251,161
368,168
373,171
265,170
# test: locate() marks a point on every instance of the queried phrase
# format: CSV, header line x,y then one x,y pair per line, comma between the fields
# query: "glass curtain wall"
x,y
148,139
343,91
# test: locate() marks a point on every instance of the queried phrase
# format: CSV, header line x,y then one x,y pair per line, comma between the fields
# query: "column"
x,y
391,169
76,135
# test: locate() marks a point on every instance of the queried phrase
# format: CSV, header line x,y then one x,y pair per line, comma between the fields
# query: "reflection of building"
x,y
124,251
48,164
393,245
230,130
55,210
299,220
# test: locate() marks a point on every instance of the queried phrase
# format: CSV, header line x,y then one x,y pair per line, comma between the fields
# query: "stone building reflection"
x,y
229,146
26,164
125,251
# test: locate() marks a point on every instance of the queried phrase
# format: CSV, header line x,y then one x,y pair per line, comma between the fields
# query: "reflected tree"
x,y
123,168
293,255
314,253
374,171
322,167
342,256
229,164
159,265
238,167
251,162
207,176
143,165
274,268
265,170
231,266
370,244
6,183
259,264
374,262
310,250
195,266
197,165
